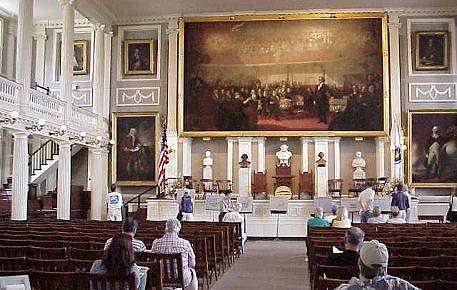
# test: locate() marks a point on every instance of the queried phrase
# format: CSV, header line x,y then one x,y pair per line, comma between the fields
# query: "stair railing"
x,y
138,198
42,155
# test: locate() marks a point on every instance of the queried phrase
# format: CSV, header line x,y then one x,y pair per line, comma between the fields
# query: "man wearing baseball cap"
x,y
373,262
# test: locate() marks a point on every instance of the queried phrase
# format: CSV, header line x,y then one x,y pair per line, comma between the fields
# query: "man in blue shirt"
x,y
401,199
318,219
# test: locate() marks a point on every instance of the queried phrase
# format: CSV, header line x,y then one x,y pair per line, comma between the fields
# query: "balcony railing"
x,y
9,91
83,118
47,105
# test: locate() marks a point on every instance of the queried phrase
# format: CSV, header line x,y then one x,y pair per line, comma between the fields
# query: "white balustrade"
x,y
83,118
46,105
9,91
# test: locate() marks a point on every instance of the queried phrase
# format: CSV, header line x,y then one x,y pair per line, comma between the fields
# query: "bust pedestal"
x,y
283,176
244,181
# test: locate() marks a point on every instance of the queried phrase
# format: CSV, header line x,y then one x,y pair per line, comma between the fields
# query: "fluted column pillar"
x,y
64,181
10,52
337,153
66,79
172,31
230,158
96,178
20,176
40,55
99,72
24,45
261,154
187,157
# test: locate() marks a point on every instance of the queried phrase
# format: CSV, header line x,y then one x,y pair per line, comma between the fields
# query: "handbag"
x,y
451,215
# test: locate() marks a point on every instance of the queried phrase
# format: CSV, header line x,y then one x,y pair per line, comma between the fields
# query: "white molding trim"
x,y
76,96
120,38
452,52
138,96
85,29
432,91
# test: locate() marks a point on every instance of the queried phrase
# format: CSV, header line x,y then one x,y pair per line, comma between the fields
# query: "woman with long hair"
x,y
118,260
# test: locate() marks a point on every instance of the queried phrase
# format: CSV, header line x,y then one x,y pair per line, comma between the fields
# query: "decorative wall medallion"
x,y
138,96
432,92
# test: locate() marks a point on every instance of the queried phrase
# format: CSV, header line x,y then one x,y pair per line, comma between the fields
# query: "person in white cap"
x,y
373,262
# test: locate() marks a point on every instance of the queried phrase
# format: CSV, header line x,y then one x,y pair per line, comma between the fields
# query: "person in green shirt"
x,y
318,219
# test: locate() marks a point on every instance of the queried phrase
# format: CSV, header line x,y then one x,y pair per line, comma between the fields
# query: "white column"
x,y
20,176
66,78
336,144
2,168
40,37
97,182
230,158
10,53
64,181
172,166
24,45
380,156
106,83
6,156
244,174
321,173
99,72
105,167
172,31
304,152
261,154
187,157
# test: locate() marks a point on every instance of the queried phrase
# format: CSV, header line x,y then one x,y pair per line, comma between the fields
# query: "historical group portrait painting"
x,y
139,57
284,76
433,148
134,155
432,50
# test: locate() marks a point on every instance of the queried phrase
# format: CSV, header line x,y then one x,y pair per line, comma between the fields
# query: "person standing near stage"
x,y
114,201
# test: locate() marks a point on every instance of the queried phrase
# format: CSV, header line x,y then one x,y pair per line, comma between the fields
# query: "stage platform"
x,y
262,223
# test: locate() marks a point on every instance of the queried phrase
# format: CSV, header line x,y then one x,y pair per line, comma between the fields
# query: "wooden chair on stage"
x,y
306,183
224,186
208,186
357,186
380,185
335,186
259,185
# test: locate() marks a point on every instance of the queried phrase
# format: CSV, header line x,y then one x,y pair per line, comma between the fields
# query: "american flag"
x,y
163,161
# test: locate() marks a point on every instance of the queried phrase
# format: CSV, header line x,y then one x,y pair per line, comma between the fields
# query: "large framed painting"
x,y
140,57
432,50
80,57
432,148
284,75
136,151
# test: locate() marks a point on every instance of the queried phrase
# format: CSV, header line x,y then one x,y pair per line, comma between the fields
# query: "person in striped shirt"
x,y
129,227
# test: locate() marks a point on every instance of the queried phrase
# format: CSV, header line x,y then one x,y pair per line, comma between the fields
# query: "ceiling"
x,y
50,9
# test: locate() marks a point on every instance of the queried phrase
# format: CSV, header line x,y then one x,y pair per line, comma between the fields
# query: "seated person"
x,y
235,217
317,220
377,218
342,220
395,217
353,239
331,217
118,260
373,263
170,243
129,227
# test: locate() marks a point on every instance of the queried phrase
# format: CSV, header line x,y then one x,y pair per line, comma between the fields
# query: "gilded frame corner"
x,y
296,16
114,117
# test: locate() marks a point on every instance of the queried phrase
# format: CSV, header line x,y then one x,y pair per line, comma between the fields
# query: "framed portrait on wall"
x,y
139,57
432,50
432,148
81,57
135,154
284,75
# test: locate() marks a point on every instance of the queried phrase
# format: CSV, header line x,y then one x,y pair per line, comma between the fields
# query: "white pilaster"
x,y
24,46
97,183
99,72
40,37
304,152
66,79
20,176
261,154
172,166
380,156
230,158
187,157
6,156
64,181
105,167
337,165
172,31
106,83
10,53
321,173
244,174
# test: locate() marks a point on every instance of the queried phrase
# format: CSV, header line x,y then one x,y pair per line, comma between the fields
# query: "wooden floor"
x,y
268,265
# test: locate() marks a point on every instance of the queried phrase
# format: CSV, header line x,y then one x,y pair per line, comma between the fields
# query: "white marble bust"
x,y
359,164
284,156
207,166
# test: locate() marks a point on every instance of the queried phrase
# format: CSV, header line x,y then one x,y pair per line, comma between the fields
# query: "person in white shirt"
x,y
377,217
366,199
114,201
395,217
235,216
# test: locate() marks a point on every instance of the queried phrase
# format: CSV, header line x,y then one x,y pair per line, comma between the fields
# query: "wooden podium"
x,y
283,176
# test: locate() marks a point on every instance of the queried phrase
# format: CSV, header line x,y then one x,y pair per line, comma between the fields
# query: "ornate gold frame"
x,y
278,17
152,57
409,173
85,57
445,65
114,118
